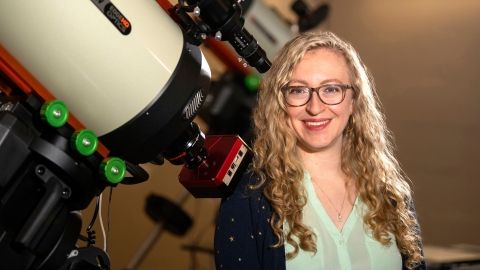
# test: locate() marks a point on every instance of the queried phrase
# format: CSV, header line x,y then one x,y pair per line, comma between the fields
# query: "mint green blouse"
x,y
352,248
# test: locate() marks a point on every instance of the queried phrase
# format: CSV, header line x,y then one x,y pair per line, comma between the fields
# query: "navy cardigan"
x,y
243,235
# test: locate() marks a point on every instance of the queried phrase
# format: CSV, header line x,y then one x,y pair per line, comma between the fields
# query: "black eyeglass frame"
x,y
344,88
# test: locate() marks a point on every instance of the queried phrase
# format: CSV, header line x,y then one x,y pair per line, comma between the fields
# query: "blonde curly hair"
x,y
367,155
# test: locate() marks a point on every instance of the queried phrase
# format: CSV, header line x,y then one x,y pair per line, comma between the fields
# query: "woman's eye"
x,y
297,90
332,89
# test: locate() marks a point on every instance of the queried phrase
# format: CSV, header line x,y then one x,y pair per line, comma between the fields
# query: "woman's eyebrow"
x,y
300,81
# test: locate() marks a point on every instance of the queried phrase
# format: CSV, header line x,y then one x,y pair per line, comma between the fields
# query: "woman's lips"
x,y
316,124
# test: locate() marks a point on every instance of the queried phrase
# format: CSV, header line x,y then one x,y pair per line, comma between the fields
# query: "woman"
x,y
325,190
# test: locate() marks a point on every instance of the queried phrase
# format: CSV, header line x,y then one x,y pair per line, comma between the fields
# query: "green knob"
x,y
113,170
55,112
252,82
84,141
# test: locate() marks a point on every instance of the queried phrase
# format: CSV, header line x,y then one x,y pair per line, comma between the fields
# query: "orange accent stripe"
x,y
5,88
166,5
14,76
19,75
169,9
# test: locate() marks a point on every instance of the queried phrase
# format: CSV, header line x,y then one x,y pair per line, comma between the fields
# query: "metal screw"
x,y
57,113
66,193
196,11
6,106
115,170
218,36
41,170
73,253
86,142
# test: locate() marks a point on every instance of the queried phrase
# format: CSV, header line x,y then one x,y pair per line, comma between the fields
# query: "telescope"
x,y
89,91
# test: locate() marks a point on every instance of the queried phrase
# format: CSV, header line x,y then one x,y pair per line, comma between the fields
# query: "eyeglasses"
x,y
330,94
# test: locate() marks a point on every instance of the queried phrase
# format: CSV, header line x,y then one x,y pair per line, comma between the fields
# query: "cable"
x,y
95,213
90,239
101,223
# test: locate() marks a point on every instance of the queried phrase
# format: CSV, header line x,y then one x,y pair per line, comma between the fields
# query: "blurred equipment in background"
x,y
167,216
308,18
229,104
270,29
83,103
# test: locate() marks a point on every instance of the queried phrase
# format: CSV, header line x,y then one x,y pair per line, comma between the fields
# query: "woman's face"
x,y
319,126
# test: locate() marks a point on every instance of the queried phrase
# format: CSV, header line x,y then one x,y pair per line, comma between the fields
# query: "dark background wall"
x,y
424,56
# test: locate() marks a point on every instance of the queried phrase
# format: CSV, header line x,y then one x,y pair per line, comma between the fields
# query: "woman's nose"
x,y
315,105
